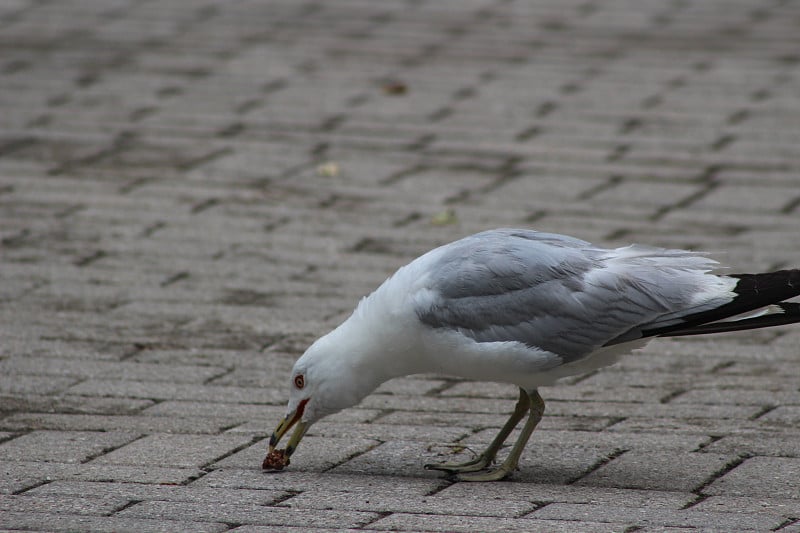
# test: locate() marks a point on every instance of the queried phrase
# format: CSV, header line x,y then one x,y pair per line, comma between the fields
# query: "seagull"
x,y
526,308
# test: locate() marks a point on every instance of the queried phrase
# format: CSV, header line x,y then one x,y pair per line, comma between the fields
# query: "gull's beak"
x,y
286,424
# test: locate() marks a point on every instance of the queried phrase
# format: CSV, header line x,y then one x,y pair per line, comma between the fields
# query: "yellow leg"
x,y
488,455
510,464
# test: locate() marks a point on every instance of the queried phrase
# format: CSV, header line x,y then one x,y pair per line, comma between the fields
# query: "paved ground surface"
x,y
192,191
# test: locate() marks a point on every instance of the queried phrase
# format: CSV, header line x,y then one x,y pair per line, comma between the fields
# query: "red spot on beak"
x,y
301,408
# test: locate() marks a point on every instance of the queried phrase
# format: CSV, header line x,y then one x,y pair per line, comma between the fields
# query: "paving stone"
x,y
33,403
250,514
580,392
21,475
543,493
173,391
783,415
235,358
63,446
775,477
57,504
692,426
18,476
792,526
478,421
181,451
424,522
740,397
299,481
642,441
398,457
740,198
67,522
142,424
658,471
144,492
656,517
635,410
314,454
781,508
390,503
33,384
784,444
290,529
257,417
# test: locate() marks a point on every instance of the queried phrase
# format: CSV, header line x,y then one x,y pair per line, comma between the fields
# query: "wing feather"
x,y
561,294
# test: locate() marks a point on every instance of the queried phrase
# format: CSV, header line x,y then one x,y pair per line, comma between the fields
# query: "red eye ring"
x,y
299,381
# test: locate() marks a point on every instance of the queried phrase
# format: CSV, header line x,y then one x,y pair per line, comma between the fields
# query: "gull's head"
x,y
328,377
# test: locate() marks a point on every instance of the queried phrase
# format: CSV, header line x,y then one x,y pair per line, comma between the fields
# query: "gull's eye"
x,y
299,381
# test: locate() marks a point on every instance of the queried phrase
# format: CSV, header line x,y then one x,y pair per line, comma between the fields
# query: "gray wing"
x,y
556,293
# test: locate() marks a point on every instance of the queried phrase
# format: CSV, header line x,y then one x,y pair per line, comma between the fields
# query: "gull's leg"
x,y
486,458
510,464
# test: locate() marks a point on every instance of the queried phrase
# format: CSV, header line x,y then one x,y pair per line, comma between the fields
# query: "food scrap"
x,y
275,460
394,87
328,170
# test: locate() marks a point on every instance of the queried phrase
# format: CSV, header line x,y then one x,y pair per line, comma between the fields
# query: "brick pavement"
x,y
192,191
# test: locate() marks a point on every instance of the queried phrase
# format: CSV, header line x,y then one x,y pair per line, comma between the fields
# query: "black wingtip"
x,y
789,314
753,291
769,287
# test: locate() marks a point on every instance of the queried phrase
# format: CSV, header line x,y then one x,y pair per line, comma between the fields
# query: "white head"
x,y
347,364
331,375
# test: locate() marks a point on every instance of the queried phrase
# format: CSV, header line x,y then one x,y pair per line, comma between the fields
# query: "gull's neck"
x,y
376,343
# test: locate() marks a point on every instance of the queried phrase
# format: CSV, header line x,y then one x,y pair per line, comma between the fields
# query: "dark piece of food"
x,y
275,460
395,88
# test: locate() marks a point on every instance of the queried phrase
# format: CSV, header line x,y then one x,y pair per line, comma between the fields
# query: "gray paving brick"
x,y
290,529
743,397
298,481
792,526
176,391
33,384
643,441
235,358
658,471
250,514
389,503
478,421
21,475
740,198
57,504
199,409
143,424
63,446
579,392
34,403
783,415
423,522
402,457
181,451
549,493
774,477
657,517
154,492
314,453
782,508
783,444
68,522
690,426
